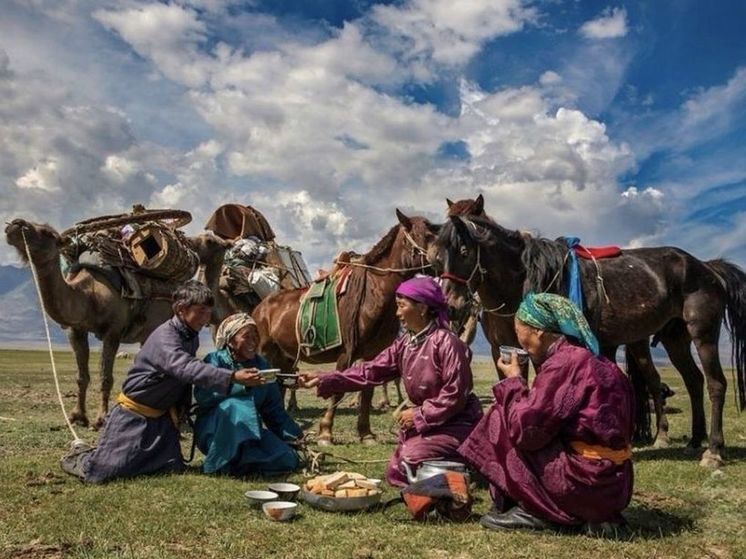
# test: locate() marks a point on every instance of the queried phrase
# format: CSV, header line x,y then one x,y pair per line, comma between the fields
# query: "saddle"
x,y
317,326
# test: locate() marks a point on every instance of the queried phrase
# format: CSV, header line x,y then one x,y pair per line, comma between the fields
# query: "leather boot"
x,y
515,519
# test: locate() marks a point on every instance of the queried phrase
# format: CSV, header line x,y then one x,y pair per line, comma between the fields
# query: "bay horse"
x,y
663,291
367,312
498,327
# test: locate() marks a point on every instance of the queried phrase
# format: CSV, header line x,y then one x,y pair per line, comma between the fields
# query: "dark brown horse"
x,y
367,312
663,291
498,328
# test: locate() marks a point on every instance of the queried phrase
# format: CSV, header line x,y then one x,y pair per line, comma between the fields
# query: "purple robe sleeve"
x,y
535,417
455,389
174,360
382,368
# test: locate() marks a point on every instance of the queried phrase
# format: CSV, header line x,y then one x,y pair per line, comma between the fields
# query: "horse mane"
x,y
381,247
540,257
543,259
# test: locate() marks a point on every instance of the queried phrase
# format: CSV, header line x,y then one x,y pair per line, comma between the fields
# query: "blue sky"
x,y
619,122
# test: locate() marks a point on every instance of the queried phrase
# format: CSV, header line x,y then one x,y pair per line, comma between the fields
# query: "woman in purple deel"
x,y
434,365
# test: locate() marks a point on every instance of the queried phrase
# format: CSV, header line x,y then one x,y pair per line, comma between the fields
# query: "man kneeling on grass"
x,y
141,433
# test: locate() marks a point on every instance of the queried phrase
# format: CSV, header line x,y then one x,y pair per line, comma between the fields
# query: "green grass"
x,y
679,509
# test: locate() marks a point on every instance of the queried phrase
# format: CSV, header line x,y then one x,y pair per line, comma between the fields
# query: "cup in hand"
x,y
506,351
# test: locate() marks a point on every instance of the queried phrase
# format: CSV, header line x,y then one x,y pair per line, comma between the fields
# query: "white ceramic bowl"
x,y
280,511
256,497
285,491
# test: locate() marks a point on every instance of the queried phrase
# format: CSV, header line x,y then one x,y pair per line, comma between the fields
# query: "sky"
x,y
621,123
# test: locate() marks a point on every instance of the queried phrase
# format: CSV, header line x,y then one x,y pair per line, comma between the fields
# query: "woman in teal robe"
x,y
247,430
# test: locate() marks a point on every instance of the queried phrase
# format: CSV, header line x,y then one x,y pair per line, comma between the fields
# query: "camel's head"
x,y
209,247
39,237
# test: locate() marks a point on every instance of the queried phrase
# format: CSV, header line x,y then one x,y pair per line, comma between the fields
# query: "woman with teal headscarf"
x,y
247,430
557,455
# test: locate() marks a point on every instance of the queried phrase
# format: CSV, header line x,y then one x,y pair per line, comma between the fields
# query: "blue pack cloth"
x,y
572,275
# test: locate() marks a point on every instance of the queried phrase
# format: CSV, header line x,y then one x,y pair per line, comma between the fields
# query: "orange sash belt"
x,y
598,452
146,411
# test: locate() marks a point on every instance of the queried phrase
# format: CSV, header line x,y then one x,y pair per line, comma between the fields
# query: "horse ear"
x,y
404,220
449,202
479,205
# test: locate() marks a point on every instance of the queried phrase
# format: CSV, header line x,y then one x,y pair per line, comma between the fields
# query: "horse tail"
x,y
643,424
350,312
734,279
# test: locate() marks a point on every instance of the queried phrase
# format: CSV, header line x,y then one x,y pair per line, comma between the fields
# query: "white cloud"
x,y
450,31
611,25
167,33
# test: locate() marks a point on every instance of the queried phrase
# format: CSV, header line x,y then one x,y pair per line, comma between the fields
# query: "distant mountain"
x,y
22,322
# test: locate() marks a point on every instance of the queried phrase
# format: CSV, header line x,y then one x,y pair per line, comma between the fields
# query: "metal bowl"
x,y
342,504
258,498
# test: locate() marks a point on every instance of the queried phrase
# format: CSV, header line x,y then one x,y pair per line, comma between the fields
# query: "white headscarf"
x,y
231,326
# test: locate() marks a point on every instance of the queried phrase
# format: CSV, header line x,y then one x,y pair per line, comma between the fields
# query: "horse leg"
x,y
707,348
677,342
363,417
326,424
399,395
385,402
79,342
106,369
292,405
640,352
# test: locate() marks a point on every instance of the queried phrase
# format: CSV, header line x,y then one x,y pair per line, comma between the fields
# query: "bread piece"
x,y
341,493
366,484
327,493
373,491
355,475
348,485
357,492
335,480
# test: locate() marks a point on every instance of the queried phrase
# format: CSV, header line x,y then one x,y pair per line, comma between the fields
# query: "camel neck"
x,y
61,301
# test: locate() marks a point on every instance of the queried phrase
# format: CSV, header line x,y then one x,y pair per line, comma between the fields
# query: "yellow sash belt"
x,y
597,452
146,411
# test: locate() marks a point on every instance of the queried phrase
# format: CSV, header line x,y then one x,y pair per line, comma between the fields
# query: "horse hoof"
x,y
324,441
79,419
662,442
711,460
369,440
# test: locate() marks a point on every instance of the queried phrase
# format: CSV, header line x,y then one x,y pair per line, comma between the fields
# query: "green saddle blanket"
x,y
318,318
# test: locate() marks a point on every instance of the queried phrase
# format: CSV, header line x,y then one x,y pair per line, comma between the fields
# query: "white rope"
x,y
49,339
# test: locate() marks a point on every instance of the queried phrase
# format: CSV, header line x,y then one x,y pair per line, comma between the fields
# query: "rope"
x,y
385,270
76,439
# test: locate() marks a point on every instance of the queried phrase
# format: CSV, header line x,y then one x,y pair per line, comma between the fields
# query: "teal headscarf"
x,y
555,313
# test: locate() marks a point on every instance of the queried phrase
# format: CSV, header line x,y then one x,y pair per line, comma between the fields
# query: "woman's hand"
x,y
406,418
512,369
248,377
308,380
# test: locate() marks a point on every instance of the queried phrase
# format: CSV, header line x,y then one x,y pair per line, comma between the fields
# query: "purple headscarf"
x,y
426,290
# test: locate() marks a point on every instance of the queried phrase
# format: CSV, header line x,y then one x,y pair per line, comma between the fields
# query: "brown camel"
x,y
87,302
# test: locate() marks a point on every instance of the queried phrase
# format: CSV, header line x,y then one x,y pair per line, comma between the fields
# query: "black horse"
x,y
663,291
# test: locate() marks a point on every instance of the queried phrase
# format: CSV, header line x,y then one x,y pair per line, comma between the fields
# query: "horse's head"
x,y
456,257
466,207
419,235
39,238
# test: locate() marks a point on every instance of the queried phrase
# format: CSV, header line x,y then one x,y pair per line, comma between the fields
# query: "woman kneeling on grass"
x,y
141,434
435,369
558,454
228,429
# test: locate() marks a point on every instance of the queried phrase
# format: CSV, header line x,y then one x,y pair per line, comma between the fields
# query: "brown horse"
x,y
367,312
663,291
498,328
